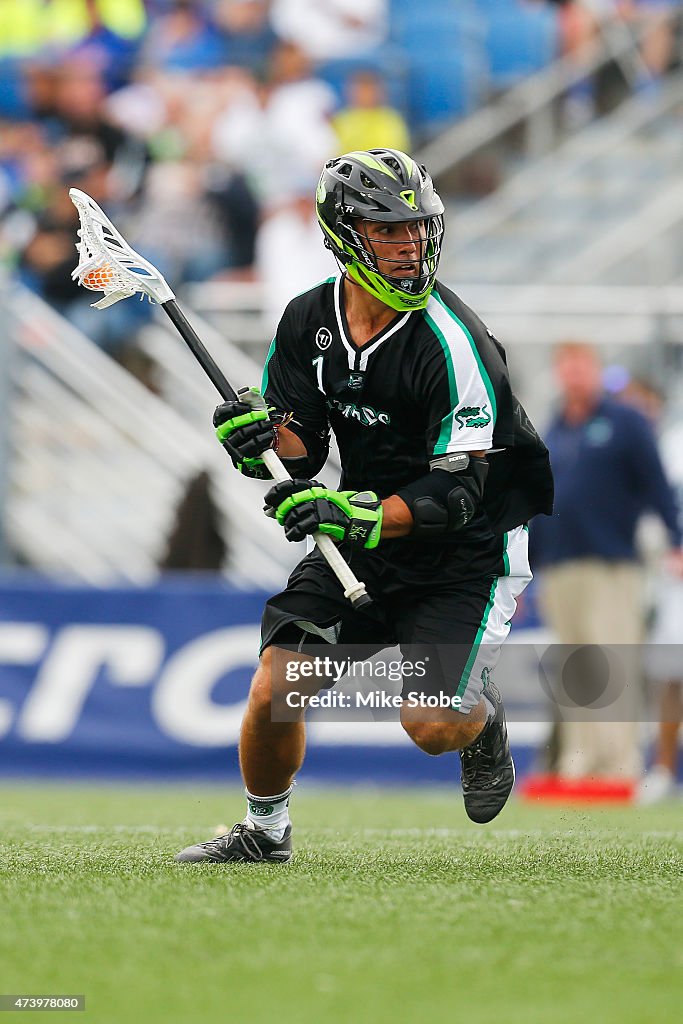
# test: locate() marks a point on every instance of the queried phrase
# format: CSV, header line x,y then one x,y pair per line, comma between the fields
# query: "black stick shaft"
x,y
205,360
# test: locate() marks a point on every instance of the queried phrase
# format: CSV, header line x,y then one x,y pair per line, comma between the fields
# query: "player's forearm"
x,y
397,520
289,445
304,453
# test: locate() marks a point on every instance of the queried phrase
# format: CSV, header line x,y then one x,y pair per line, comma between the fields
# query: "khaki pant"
x,y
590,601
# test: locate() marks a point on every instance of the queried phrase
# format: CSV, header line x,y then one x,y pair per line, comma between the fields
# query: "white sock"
x,y
269,813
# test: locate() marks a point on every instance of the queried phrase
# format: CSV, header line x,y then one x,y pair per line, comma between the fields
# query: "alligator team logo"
x,y
489,684
473,416
323,339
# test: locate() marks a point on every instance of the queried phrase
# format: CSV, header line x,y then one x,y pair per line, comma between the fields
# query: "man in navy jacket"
x,y
607,474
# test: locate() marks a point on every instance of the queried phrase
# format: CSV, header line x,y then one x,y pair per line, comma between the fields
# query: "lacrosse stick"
x,y
108,264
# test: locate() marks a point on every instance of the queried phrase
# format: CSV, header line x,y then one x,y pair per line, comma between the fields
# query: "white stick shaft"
x,y
353,588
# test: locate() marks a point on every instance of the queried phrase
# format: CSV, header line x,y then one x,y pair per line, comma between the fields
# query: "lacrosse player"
x,y
441,470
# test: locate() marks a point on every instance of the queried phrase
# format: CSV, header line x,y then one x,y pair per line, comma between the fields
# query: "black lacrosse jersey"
x,y
433,381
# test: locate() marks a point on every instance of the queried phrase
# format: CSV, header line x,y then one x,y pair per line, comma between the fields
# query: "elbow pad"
x,y
446,499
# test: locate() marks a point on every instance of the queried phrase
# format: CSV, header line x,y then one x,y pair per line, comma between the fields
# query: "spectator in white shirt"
x,y
328,29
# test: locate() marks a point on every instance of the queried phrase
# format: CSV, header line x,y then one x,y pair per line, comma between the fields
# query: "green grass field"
x,y
394,909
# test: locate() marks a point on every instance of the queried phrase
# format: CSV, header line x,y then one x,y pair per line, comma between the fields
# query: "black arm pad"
x,y
442,501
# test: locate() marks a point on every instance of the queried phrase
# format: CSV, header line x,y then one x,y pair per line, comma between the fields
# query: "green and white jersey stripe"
x,y
495,622
468,426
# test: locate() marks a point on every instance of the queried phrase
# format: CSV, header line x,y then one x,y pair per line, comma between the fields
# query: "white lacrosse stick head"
x,y
106,263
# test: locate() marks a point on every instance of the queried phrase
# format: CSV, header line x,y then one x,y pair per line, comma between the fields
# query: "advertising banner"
x,y
151,682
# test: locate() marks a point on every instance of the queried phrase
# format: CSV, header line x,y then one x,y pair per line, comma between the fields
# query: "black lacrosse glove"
x,y
305,506
246,430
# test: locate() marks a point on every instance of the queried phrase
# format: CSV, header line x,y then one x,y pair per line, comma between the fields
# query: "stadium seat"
x,y
427,8
444,87
486,6
445,54
441,29
520,41
13,104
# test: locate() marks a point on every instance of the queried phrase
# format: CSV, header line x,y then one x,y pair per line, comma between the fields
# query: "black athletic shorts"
x,y
440,611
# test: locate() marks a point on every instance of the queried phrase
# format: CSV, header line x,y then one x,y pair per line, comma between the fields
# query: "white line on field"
x,y
150,829
405,833
510,833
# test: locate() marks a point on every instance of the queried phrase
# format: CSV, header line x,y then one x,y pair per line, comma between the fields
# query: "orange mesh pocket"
x,y
99,279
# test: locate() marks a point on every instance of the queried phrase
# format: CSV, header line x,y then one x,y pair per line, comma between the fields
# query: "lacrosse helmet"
x,y
387,186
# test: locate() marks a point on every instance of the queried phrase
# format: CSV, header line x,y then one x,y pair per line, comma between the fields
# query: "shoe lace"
x,y
242,837
477,762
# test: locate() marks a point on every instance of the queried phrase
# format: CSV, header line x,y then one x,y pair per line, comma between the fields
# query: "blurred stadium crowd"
x,y
198,122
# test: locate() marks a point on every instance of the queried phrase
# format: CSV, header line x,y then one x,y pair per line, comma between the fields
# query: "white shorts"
x,y
664,651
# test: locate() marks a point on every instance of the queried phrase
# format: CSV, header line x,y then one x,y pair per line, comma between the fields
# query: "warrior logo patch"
x,y
323,339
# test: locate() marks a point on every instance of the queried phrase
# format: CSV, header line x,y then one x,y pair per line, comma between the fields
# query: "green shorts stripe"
x,y
465,677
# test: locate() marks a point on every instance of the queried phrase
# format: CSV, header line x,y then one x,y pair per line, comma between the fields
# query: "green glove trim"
x,y
310,494
335,532
369,511
357,514
225,429
254,468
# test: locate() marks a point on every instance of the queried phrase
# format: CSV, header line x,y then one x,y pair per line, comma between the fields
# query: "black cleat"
x,y
488,771
240,844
